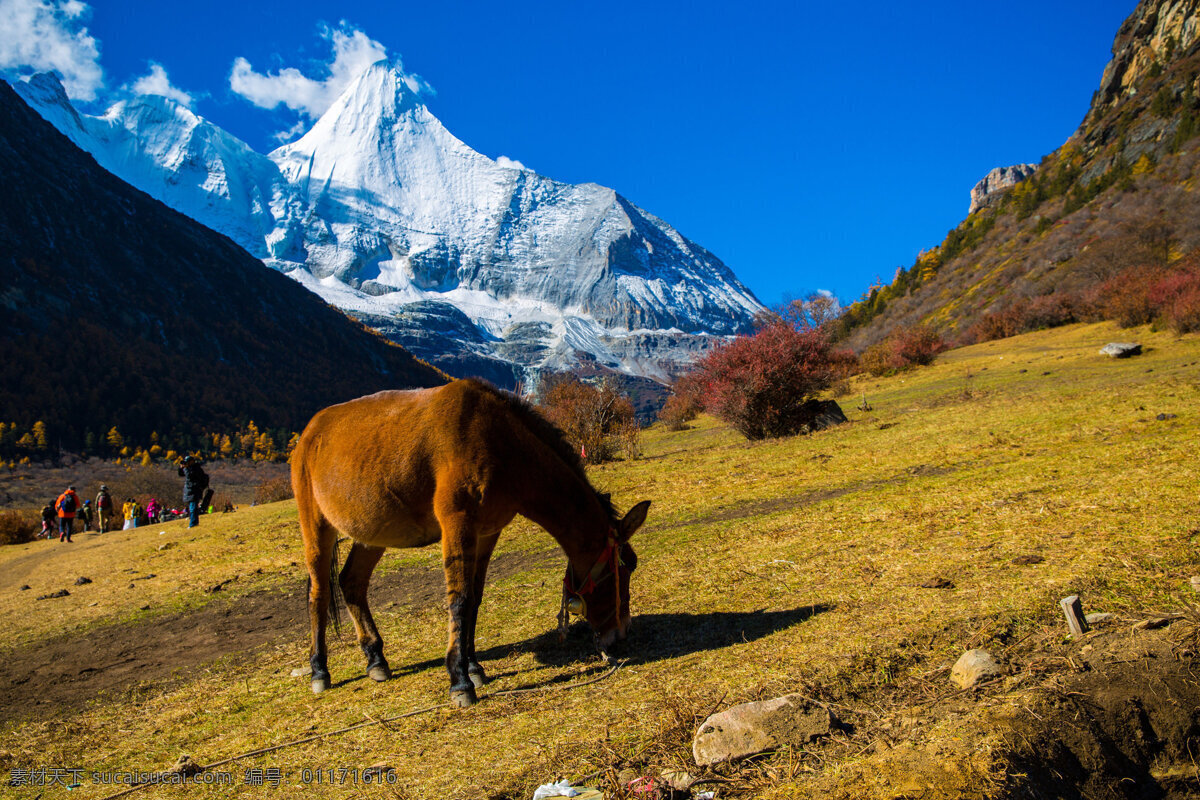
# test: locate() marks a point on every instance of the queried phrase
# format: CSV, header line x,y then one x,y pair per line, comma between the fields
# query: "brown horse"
x,y
457,462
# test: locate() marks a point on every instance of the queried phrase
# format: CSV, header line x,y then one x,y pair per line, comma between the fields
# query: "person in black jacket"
x,y
195,481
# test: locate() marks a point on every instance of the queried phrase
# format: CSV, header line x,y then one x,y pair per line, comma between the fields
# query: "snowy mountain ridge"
x,y
479,267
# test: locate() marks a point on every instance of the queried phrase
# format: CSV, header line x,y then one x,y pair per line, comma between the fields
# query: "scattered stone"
x,y
132,586
974,667
1097,618
1121,349
1154,623
80,581
166,546
751,728
938,582
185,766
678,780
1025,561
26,587
1165,417
59,593
1045,373
300,672
1073,611
1194,581
93,605
145,608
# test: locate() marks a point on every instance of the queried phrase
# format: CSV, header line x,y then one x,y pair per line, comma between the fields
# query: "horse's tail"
x,y
336,601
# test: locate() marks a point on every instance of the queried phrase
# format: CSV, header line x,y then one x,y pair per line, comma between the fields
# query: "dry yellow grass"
x,y
786,565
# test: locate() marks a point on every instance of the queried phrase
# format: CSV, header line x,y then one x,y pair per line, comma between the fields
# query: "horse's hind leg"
x,y
320,542
355,577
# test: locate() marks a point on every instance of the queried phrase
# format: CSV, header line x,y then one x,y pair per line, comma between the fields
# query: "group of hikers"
x,y
61,514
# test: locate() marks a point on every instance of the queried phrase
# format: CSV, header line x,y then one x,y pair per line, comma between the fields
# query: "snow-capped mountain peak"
x,y
386,214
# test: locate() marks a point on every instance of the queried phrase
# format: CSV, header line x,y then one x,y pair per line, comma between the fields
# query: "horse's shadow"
x,y
654,637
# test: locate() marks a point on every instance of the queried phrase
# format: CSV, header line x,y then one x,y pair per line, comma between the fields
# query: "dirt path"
x,y
63,674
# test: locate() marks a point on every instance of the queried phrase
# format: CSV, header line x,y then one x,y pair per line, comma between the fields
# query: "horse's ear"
x,y
633,520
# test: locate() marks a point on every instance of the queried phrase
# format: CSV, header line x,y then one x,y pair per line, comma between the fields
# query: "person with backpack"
x,y
66,505
195,481
104,509
85,514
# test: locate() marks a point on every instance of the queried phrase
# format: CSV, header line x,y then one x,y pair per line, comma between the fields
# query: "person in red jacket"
x,y
67,505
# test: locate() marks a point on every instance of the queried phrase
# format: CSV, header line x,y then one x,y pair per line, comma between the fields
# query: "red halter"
x,y
609,559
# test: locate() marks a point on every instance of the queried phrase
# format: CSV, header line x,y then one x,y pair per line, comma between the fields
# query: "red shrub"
x,y
759,383
905,348
1125,299
1177,298
679,410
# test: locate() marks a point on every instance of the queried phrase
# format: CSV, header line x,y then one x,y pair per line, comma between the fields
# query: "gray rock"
x,y
752,728
52,595
974,667
996,182
1098,617
80,581
1121,349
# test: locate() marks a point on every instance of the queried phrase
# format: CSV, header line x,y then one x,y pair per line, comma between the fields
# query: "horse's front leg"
x,y
459,539
483,554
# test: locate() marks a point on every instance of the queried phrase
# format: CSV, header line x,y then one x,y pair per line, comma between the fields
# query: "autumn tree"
x,y
596,420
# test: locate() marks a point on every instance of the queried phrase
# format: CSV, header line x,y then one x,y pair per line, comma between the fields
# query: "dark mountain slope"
x,y
116,310
1118,195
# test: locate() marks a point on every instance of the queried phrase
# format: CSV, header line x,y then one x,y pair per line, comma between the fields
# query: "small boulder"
x,y
26,587
80,581
974,667
1098,618
1121,349
59,593
751,728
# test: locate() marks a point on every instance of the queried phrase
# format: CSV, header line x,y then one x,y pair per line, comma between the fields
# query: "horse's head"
x,y
602,597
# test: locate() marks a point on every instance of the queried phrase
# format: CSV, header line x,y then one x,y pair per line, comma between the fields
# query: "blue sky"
x,y
809,145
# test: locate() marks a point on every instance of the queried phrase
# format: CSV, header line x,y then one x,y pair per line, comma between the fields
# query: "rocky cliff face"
x,y
995,182
1156,33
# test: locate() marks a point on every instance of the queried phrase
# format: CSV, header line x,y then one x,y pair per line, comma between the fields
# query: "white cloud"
x,y
511,163
158,83
353,52
43,35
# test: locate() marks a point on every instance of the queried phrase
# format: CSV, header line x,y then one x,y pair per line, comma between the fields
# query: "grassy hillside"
x,y
782,566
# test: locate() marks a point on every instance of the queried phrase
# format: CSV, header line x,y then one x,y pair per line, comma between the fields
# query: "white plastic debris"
x,y
561,789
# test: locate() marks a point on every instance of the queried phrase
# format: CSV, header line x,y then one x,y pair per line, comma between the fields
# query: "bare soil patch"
x,y
63,674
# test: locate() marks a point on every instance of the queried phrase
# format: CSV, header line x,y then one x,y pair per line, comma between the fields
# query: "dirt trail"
x,y
63,674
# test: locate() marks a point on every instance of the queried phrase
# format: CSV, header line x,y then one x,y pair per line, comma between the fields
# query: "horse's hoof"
x,y
478,678
464,698
379,674
319,685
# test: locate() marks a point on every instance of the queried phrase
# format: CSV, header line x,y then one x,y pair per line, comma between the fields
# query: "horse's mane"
x,y
549,434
